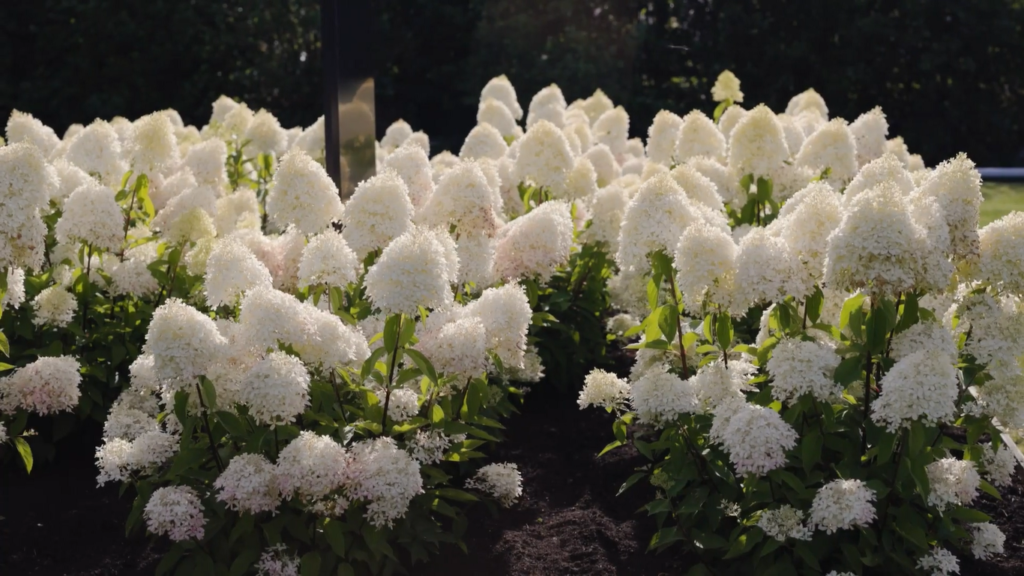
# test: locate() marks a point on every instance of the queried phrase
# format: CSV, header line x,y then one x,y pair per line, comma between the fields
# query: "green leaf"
x,y
667,317
630,481
848,371
422,363
814,304
877,329
391,329
611,446
456,494
5,346
169,561
852,303
764,189
810,449
25,451
720,109
310,564
245,559
970,515
990,490
912,526
346,569
652,331
334,532
232,423
723,330
436,414
209,393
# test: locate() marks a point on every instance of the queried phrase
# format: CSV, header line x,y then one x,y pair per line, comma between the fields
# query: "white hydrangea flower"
x,y
175,511
705,261
14,297
395,134
612,129
505,313
608,208
403,404
620,324
328,260
265,134
925,335
897,147
757,145
427,255
952,482
493,113
277,561
457,348
595,105
269,316
302,194
465,199
727,87
3,434
23,127
922,386
841,505
807,100
97,151
730,118
184,343
721,388
698,187
413,167
162,189
378,212
767,270
311,140
151,147
987,540
878,246
654,220
127,420
956,185
544,157
805,223
799,367
886,168
276,389
385,476
1002,250
476,260
999,465
132,276
660,397
727,184
46,386
535,244
502,90
483,141
311,466
662,137
207,162
581,183
428,446
71,178
502,481
939,562
699,137
831,147
603,161
248,485
26,184
92,215
603,389
201,197
783,523
755,437
236,211
231,271
547,105
869,132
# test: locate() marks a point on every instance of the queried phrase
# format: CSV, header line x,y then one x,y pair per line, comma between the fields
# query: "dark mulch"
x,y
569,520
56,522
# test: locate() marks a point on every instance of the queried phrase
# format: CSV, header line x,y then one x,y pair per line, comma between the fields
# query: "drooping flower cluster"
x,y
502,481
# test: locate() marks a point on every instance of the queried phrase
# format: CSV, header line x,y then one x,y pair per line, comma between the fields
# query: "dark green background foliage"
x,y
947,74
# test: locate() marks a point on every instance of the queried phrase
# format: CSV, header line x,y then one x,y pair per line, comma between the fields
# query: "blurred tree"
x,y
945,73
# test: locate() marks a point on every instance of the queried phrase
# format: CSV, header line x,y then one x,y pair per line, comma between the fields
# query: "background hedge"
x,y
949,75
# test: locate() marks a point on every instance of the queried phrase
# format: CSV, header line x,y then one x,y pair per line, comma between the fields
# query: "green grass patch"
x,y
1001,198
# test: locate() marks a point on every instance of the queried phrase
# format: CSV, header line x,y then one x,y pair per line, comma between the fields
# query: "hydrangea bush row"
x,y
294,384
827,351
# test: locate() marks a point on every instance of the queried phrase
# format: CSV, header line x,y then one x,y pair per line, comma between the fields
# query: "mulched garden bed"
x,y
569,520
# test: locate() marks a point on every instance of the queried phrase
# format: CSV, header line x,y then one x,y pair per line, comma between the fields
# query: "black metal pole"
x,y
329,46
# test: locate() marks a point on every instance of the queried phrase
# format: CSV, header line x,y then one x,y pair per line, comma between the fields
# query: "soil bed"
x,y
569,520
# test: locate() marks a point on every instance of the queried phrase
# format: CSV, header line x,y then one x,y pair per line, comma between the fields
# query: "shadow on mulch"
x,y
56,522
569,520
